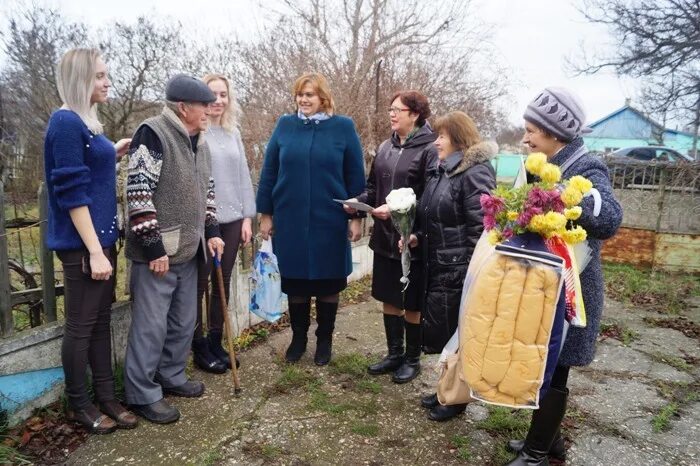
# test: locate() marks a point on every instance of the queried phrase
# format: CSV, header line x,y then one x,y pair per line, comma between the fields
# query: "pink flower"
x,y
527,214
491,205
489,221
537,197
508,233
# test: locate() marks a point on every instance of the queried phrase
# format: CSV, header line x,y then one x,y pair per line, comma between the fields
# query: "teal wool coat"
x,y
308,163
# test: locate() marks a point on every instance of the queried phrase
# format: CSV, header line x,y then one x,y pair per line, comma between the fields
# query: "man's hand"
x,y
350,210
265,226
246,231
216,247
159,266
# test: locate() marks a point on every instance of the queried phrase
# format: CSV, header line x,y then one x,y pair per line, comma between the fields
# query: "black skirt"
x,y
304,287
386,286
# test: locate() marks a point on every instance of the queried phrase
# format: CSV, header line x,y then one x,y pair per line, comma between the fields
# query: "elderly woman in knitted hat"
x,y
554,123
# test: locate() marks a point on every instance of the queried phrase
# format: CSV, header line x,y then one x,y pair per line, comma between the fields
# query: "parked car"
x,y
649,154
641,166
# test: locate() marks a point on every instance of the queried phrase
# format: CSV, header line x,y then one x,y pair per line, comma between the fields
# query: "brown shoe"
x,y
124,418
94,423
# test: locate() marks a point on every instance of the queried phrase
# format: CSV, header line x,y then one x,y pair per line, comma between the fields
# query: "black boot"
x,y
299,320
325,317
556,451
394,329
430,401
442,413
214,338
410,368
204,359
544,427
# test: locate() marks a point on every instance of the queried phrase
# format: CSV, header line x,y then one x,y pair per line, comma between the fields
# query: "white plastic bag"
x,y
266,297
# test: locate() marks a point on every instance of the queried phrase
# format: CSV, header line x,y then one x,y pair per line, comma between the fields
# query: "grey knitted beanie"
x,y
559,112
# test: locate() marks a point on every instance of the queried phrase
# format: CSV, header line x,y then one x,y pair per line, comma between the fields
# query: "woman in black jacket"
x,y
401,161
448,226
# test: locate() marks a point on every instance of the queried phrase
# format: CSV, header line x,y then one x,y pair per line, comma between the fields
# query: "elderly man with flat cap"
x,y
172,216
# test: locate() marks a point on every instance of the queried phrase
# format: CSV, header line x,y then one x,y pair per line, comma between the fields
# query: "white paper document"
x,y
356,205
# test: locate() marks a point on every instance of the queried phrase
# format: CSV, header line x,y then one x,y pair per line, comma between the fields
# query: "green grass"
x,y
320,401
673,361
462,444
270,451
353,364
292,377
211,458
664,291
364,429
506,422
661,422
371,386
8,453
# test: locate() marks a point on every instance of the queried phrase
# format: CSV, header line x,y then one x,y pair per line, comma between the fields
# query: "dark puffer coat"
x,y
449,225
397,166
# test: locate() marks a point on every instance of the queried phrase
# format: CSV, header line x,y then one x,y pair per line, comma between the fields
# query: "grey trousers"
x,y
163,315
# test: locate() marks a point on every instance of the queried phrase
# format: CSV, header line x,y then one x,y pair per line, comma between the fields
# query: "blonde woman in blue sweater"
x,y
80,170
235,210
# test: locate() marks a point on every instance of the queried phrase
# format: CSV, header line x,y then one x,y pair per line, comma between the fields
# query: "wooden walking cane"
x,y
227,323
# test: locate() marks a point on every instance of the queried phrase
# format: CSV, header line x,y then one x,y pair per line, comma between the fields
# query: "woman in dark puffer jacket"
x,y
449,224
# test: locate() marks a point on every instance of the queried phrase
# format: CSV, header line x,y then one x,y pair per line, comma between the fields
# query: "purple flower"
x,y
527,214
489,221
491,205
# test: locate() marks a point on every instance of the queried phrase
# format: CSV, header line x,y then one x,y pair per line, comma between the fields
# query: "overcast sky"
x,y
532,39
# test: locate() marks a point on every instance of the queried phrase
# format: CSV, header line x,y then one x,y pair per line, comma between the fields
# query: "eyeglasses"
x,y
397,110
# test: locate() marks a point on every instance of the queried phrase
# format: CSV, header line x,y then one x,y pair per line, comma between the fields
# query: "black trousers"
x,y
86,333
231,234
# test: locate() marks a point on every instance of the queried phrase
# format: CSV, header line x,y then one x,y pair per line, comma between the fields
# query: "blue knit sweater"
x,y
80,170
308,163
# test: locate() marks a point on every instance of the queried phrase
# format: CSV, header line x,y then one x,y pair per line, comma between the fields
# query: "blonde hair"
x,y
320,85
75,80
231,118
460,128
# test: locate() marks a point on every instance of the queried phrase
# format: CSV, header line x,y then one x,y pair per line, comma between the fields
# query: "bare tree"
x,y
658,40
368,49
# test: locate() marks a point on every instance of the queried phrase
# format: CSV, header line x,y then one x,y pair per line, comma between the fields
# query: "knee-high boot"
x,y
544,428
410,368
394,329
299,319
325,317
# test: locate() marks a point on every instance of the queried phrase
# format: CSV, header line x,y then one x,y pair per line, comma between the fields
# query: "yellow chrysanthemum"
x,y
580,183
571,197
575,235
535,162
555,221
537,224
494,237
512,215
573,213
550,173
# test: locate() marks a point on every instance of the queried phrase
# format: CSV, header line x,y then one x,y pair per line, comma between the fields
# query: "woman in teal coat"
x,y
312,158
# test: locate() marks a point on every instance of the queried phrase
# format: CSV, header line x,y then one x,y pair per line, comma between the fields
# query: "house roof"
x,y
641,123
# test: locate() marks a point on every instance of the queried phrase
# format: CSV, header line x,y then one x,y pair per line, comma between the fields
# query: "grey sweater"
x,y
234,190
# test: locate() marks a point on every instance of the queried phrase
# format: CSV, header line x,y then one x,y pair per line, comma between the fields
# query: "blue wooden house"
x,y
628,127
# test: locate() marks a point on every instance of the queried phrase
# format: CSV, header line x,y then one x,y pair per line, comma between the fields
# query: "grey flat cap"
x,y
185,88
558,111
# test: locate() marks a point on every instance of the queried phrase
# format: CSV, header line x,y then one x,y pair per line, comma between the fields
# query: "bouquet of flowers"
x,y
549,208
402,205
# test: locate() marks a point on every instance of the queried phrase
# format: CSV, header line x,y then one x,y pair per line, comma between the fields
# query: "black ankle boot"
x,y
442,413
214,338
430,401
545,425
394,329
204,359
299,320
410,368
325,317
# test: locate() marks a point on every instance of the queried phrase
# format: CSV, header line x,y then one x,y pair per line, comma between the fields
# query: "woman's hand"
x,y
355,231
265,226
100,266
350,210
216,247
246,231
122,146
412,242
382,212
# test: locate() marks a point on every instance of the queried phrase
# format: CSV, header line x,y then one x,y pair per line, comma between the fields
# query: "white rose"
x,y
401,200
